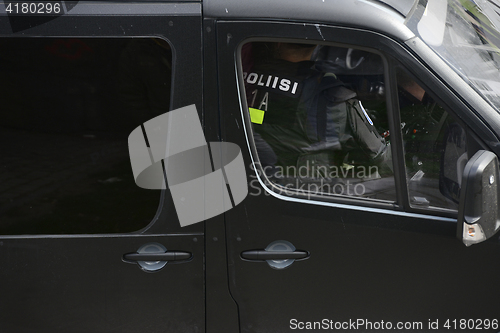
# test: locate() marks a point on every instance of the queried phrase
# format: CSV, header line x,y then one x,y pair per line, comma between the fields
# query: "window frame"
x,y
393,54
431,209
473,142
246,118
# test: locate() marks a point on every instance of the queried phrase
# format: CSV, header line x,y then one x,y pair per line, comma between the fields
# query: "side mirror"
x,y
479,210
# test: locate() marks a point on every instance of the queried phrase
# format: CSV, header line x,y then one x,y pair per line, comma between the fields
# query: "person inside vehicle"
x,y
306,116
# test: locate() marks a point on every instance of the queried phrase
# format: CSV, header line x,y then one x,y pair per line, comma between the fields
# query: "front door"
x,y
357,234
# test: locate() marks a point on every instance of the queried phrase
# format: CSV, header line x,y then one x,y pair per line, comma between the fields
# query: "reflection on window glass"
x,y
466,34
319,119
68,106
435,147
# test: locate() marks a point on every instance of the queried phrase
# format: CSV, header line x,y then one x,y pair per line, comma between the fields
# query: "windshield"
x,y
466,34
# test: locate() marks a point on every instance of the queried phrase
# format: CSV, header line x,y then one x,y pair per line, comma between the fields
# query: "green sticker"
x,y
256,116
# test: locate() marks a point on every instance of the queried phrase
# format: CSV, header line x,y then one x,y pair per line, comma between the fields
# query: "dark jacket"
x,y
307,112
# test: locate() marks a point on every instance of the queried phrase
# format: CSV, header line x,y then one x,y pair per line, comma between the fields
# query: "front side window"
x,y
68,106
319,119
434,146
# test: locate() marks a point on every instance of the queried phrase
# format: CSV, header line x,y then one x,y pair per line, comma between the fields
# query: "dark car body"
x,y
68,104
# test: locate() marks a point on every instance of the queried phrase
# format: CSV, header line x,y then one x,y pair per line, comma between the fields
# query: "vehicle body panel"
x,y
367,260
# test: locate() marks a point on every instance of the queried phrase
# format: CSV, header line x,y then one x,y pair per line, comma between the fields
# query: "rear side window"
x,y
68,105
319,119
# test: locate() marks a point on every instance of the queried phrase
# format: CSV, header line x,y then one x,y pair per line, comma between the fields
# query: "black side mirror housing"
x,y
479,209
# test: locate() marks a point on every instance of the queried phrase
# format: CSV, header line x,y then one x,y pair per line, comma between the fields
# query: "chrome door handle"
x,y
279,254
166,256
273,255
152,257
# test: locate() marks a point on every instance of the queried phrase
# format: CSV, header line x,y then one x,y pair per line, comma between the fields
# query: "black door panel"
x,y
81,284
74,88
357,268
367,261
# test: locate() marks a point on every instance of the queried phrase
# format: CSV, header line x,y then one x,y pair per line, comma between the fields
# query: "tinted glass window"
x,y
319,119
434,145
67,108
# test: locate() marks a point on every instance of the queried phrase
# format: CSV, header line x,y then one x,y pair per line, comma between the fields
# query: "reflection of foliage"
x,y
423,138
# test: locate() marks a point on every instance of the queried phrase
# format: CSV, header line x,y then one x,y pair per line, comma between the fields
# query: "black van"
x,y
329,237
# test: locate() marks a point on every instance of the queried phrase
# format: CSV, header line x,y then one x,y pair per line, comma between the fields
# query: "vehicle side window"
x,y
434,147
319,119
68,106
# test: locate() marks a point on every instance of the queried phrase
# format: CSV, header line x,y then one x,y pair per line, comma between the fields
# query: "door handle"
x,y
273,255
166,256
152,257
279,254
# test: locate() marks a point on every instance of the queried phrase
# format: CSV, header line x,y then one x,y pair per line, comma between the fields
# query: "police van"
x,y
370,206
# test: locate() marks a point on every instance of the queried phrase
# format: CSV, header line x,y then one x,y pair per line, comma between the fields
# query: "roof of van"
x,y
386,16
